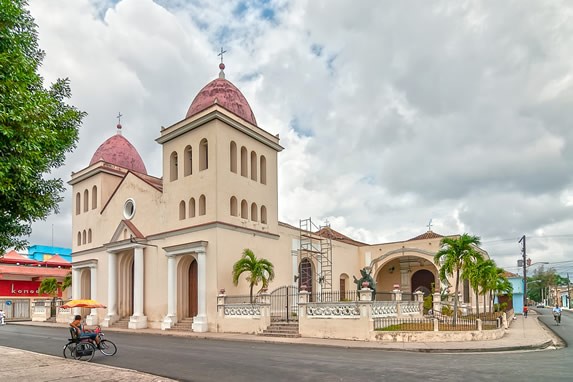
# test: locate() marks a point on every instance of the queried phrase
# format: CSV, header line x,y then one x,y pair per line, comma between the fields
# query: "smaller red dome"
x,y
227,95
118,151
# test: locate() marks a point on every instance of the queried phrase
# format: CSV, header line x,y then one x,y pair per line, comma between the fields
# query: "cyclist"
x,y
82,331
557,313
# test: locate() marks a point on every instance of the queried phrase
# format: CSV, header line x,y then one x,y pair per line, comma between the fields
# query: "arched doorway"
x,y
423,280
85,289
187,288
125,285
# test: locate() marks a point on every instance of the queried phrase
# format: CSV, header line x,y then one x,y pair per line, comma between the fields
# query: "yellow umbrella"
x,y
83,304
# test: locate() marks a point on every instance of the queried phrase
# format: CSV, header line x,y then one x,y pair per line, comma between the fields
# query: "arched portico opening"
x,y
306,275
85,289
423,280
187,301
125,285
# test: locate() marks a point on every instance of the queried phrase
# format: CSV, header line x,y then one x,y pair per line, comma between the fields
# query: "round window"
x,y
129,209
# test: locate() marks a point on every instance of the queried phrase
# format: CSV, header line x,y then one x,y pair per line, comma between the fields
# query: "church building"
x,y
157,250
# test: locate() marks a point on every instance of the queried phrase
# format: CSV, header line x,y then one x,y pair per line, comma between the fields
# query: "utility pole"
x,y
522,241
568,292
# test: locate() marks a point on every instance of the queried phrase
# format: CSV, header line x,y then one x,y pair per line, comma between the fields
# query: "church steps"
x,y
282,329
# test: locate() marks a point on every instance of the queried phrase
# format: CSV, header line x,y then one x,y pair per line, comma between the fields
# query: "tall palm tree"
x,y
454,255
259,270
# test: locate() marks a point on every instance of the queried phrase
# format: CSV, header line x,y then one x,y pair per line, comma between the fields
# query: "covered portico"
x,y
186,285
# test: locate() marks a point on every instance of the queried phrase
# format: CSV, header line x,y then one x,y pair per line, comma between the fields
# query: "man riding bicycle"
x,y
557,313
82,331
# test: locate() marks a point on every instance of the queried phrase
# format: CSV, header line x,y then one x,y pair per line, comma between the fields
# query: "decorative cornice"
x,y
217,114
199,247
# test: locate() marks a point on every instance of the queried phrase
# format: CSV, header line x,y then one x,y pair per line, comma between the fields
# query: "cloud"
x,y
390,113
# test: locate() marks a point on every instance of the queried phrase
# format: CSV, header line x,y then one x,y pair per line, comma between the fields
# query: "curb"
x,y
364,345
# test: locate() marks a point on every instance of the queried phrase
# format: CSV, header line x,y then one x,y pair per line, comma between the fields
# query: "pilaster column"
x,y
92,318
111,316
76,285
200,321
138,320
171,318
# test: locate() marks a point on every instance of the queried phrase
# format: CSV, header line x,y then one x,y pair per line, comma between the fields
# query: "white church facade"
x,y
158,250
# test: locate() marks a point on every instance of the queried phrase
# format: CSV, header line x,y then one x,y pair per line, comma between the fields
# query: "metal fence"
x,y
394,324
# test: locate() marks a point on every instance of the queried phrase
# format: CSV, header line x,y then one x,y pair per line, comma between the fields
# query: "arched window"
x,y
188,161
84,237
79,238
203,155
86,200
263,169
173,166
94,197
234,211
202,205
182,210
233,154
254,212
192,207
244,209
253,165
78,203
89,235
263,214
244,168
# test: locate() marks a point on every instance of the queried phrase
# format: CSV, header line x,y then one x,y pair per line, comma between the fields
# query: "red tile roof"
x,y
14,257
32,271
426,235
57,260
335,235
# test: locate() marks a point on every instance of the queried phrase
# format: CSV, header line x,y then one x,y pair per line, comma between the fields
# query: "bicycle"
x,y
84,349
557,318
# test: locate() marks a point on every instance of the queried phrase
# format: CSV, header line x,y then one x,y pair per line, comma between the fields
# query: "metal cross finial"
x,y
221,54
430,225
119,117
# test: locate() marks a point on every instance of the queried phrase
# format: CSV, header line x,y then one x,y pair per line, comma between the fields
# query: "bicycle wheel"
x,y
69,350
84,351
106,347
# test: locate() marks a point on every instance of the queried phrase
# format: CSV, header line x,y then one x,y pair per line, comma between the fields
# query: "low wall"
x,y
446,336
243,318
349,321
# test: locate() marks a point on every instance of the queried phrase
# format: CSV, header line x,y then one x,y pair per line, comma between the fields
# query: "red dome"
x,y
227,95
118,151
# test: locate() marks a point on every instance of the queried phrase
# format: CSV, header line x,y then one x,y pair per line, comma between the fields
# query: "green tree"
x,y
51,285
259,271
37,128
477,273
454,255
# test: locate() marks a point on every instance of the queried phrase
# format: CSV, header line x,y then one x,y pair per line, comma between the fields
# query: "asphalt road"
x,y
190,359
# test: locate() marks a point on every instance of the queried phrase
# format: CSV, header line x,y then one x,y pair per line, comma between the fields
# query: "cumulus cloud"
x,y
391,114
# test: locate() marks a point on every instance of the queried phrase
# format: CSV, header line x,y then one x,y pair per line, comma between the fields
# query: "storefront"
x,y
20,279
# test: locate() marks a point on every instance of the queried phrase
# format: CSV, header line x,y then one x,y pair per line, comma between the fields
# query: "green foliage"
x,y
500,307
37,128
259,271
49,286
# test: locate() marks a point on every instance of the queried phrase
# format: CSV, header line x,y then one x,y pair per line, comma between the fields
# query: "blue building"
x,y
517,284
45,252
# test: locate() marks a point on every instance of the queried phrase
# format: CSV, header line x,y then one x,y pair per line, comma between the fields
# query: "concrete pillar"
x,y
92,318
138,320
171,318
200,321
111,315
76,285
437,303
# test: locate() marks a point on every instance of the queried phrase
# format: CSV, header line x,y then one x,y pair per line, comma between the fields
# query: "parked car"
x,y
540,305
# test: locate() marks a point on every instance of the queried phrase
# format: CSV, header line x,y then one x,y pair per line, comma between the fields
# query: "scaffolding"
x,y
318,248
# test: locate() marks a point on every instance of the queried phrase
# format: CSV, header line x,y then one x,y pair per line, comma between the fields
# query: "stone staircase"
x,y
282,329
121,324
185,325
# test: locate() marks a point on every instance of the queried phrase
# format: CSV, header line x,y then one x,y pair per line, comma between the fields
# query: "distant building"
x,y
45,252
21,276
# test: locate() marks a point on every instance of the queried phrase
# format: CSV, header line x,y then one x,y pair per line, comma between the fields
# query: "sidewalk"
x,y
523,334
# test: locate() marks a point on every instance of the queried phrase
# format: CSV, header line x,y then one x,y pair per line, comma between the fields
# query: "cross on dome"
x,y
119,115
222,65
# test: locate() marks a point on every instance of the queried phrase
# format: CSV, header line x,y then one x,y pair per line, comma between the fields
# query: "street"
x,y
191,359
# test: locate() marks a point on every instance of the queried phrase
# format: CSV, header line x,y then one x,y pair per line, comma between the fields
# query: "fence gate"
x,y
284,304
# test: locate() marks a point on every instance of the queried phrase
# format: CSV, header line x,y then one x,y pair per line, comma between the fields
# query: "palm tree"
x,y
50,287
260,270
454,255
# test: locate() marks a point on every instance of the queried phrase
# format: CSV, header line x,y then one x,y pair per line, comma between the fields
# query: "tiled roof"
x,y
426,235
32,271
335,235
14,257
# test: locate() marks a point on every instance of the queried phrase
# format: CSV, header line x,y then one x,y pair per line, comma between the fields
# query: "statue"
x,y
366,281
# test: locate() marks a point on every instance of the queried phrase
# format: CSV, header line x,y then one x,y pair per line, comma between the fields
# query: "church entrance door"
x,y
422,280
193,289
284,304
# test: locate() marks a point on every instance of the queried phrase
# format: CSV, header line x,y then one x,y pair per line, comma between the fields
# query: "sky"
x,y
392,114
